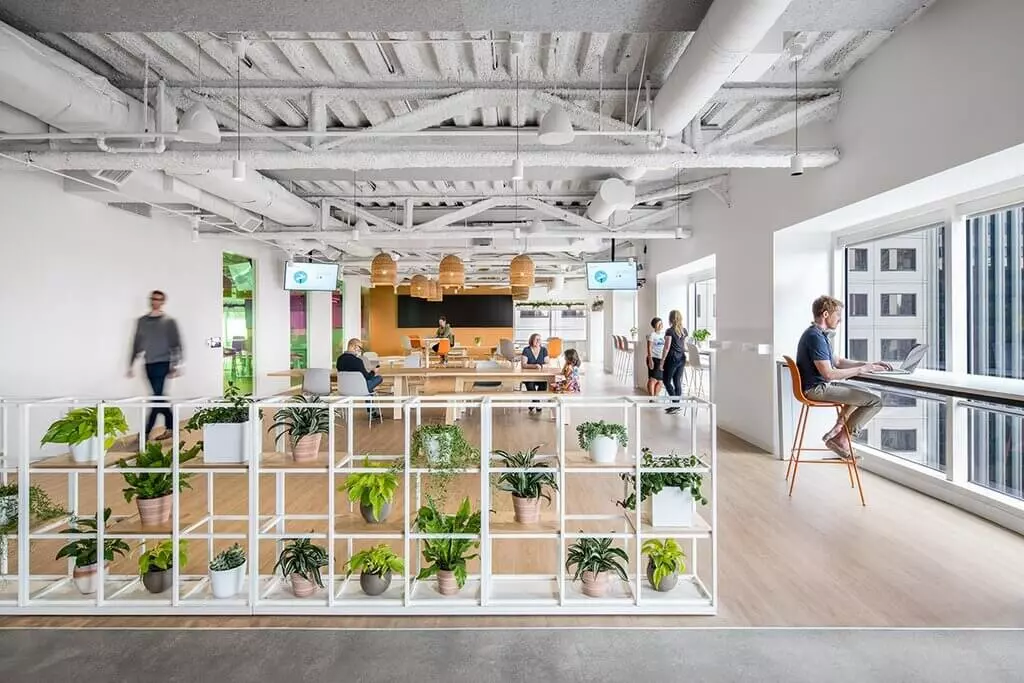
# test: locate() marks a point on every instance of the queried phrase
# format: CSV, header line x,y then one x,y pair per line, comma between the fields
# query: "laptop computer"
x,y
910,363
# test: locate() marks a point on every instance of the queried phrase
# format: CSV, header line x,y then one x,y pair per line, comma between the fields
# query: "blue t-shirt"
x,y
813,346
539,359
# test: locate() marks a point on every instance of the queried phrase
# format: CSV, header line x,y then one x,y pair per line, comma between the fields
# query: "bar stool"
x,y
801,426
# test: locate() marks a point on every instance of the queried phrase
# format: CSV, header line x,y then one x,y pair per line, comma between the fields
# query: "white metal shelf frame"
x,y
485,592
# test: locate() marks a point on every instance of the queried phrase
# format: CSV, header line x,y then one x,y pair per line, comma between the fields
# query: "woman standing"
x,y
655,350
673,359
534,358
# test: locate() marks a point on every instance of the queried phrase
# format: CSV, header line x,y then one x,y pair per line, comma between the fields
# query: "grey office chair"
x,y
317,381
354,384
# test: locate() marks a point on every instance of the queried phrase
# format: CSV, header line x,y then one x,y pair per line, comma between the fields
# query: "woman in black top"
x,y
534,358
673,358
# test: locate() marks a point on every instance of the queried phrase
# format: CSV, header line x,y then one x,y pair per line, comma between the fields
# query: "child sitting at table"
x,y
569,381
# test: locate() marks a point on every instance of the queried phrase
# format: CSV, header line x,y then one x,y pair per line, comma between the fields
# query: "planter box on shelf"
x,y
226,443
86,451
87,578
227,583
672,507
153,511
603,449
375,584
158,581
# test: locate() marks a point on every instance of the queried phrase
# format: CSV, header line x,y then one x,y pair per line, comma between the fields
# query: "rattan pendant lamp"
x,y
419,287
451,273
383,271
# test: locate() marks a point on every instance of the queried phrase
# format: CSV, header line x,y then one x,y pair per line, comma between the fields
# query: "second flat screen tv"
x,y
311,277
605,275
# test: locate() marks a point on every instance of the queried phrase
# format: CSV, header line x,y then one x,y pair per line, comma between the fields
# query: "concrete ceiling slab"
x,y
858,15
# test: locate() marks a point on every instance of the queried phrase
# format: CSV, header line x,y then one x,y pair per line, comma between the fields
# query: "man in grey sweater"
x,y
158,340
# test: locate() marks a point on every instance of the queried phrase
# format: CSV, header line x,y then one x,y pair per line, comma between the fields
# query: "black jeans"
x,y
674,377
157,373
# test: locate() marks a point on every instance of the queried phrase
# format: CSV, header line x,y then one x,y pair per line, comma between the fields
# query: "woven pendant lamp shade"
x,y
452,273
419,287
383,271
435,293
520,293
521,272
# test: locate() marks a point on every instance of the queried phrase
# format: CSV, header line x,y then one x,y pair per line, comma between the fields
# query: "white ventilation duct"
x,y
17,122
613,195
730,31
256,193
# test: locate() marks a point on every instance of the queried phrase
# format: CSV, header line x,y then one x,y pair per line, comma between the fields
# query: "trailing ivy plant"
x,y
84,550
588,431
454,454
149,485
447,554
653,482
235,413
378,560
595,555
162,556
371,488
80,425
524,484
298,421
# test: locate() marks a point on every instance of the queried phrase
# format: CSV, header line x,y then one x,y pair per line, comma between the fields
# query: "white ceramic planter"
x,y
432,445
603,449
226,443
672,507
87,451
227,584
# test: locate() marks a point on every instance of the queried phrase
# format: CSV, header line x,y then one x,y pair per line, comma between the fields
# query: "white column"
x,y
352,307
318,329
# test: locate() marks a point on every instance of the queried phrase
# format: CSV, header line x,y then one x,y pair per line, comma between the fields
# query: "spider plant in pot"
x,y
602,440
304,425
41,508
594,559
376,567
526,487
373,491
152,490
78,429
665,560
84,551
227,572
155,565
301,561
446,555
673,496
443,450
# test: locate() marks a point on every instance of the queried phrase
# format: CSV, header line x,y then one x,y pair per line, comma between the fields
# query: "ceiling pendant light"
x,y
197,123
383,271
517,163
419,287
796,162
451,273
520,293
555,127
435,294
521,272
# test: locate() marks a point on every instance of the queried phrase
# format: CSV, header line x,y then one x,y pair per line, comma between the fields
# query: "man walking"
x,y
158,340
820,373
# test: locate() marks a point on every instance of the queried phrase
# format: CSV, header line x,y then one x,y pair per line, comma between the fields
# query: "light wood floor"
x,y
818,559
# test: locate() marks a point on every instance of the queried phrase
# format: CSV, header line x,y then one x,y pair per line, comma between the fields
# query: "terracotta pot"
x,y
595,585
374,584
306,448
367,512
527,509
666,584
446,583
86,578
302,588
158,581
153,511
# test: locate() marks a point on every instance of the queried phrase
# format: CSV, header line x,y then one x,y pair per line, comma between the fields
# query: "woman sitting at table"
x,y
534,358
443,331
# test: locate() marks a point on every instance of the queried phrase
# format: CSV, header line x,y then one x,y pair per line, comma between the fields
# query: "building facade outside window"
x,y
898,305
857,306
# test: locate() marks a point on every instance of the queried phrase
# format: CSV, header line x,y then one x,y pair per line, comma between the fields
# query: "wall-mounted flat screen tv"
x,y
605,275
311,277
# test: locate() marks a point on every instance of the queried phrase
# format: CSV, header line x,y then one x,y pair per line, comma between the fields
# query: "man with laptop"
x,y
821,372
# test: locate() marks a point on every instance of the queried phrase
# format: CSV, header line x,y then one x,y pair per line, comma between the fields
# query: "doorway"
x,y
239,285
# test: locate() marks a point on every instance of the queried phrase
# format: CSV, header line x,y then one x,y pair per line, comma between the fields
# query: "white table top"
x,y
975,386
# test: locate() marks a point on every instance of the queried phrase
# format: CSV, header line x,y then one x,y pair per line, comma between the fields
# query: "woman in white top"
x,y
655,347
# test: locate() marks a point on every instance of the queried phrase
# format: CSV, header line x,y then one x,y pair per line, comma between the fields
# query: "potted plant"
x,y
594,559
305,426
225,428
376,567
447,556
527,488
673,495
373,491
701,336
77,429
84,551
155,566
301,561
227,572
443,449
152,490
40,507
602,440
664,563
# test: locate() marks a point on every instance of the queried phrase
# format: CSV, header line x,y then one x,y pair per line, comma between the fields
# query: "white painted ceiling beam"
x,y
824,108
358,212
682,189
562,214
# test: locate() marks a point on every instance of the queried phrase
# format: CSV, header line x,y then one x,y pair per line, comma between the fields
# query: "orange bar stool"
x,y
555,349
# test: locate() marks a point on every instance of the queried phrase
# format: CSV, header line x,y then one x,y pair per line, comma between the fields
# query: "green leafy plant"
x,y
236,412
550,304
653,482
372,489
228,559
666,556
378,560
41,508
588,431
526,484
162,557
448,554
297,422
595,555
303,557
80,425
701,335
454,454
148,485
84,549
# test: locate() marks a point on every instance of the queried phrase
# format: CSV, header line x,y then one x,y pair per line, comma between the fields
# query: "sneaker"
x,y
839,447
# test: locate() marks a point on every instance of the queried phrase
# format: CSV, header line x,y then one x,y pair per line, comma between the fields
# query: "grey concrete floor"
x,y
537,656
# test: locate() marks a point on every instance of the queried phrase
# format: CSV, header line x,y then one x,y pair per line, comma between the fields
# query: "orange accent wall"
x,y
384,338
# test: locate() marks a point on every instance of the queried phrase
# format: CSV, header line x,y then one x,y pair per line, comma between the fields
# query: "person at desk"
x,y
820,372
351,361
443,331
534,357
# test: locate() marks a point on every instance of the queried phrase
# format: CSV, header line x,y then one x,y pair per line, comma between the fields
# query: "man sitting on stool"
x,y
351,361
820,371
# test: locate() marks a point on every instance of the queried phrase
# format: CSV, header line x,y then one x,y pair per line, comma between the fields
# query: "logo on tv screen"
x,y
300,277
600,277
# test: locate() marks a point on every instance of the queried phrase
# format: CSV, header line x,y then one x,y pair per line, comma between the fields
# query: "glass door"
x,y
298,333
239,285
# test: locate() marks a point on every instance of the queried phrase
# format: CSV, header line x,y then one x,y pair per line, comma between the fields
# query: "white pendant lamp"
x,y
555,127
517,169
238,170
198,125
796,164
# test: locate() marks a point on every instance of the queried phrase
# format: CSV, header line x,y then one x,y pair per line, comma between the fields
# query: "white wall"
x,y
944,91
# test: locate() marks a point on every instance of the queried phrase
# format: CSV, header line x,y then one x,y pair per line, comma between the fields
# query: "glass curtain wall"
x,y
239,284
299,347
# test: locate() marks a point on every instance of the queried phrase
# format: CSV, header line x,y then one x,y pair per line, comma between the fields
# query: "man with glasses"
x,y
158,340
351,361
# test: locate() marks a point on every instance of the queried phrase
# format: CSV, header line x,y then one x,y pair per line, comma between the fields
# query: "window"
x,y
900,440
902,305
858,349
895,350
898,259
863,437
858,305
857,260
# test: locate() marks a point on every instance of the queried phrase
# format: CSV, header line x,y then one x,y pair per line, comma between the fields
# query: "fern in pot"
x,y
41,508
301,561
672,496
376,568
84,551
225,428
227,572
156,565
594,560
442,449
665,560
78,429
447,556
305,426
152,490
527,487
373,491
602,440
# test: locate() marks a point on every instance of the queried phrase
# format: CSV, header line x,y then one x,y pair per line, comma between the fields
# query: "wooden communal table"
x,y
462,377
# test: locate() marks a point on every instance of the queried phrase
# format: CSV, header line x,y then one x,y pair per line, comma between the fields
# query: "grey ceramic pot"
x,y
367,512
374,584
667,583
157,581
